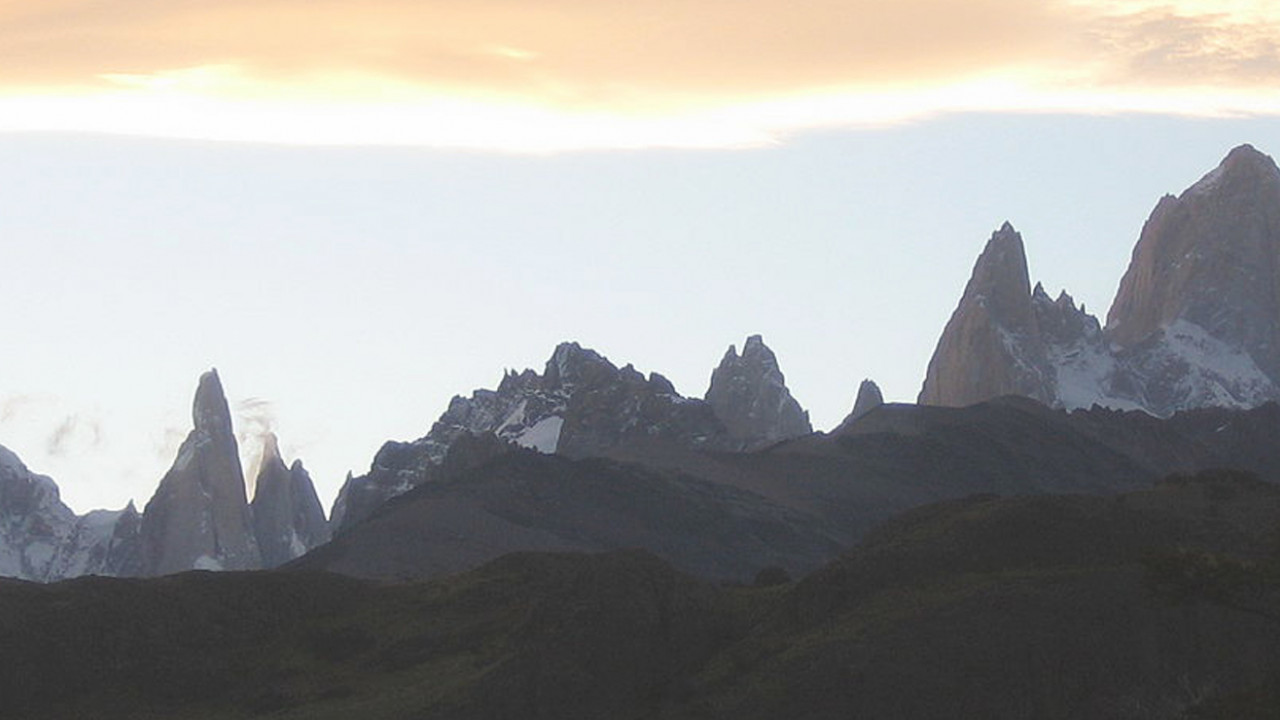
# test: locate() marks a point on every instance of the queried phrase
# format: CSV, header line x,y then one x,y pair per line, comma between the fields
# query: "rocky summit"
x,y
749,394
199,516
582,405
1195,323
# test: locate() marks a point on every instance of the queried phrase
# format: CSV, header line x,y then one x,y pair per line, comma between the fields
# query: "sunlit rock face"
x,y
749,394
1195,323
1199,307
992,345
199,516
288,519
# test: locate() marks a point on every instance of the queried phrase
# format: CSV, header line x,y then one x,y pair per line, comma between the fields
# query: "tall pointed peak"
x,y
992,344
199,517
209,411
1001,282
869,398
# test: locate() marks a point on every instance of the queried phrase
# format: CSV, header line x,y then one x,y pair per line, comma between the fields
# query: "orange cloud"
x,y
614,73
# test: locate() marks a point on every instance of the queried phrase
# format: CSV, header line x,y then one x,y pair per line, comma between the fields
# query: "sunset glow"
x,y
571,75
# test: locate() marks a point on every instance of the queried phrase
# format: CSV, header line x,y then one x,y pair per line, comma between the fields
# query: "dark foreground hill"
x,y
796,504
1161,603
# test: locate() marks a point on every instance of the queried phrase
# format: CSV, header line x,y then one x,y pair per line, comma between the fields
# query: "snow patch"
x,y
1220,374
297,548
544,436
1084,377
204,562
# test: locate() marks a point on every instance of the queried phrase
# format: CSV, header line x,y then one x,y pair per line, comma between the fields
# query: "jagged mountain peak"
x,y
581,405
1208,262
749,394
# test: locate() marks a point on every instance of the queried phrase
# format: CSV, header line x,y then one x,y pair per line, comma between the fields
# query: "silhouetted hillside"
x,y
1161,603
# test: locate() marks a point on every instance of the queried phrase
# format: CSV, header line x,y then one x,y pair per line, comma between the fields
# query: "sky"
x,y
356,211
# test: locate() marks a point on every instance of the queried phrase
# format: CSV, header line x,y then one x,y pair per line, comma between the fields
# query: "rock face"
x,y
199,516
582,405
1196,320
288,519
749,394
42,540
1199,307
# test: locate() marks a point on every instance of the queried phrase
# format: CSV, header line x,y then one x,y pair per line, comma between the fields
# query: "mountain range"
x,y
737,480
